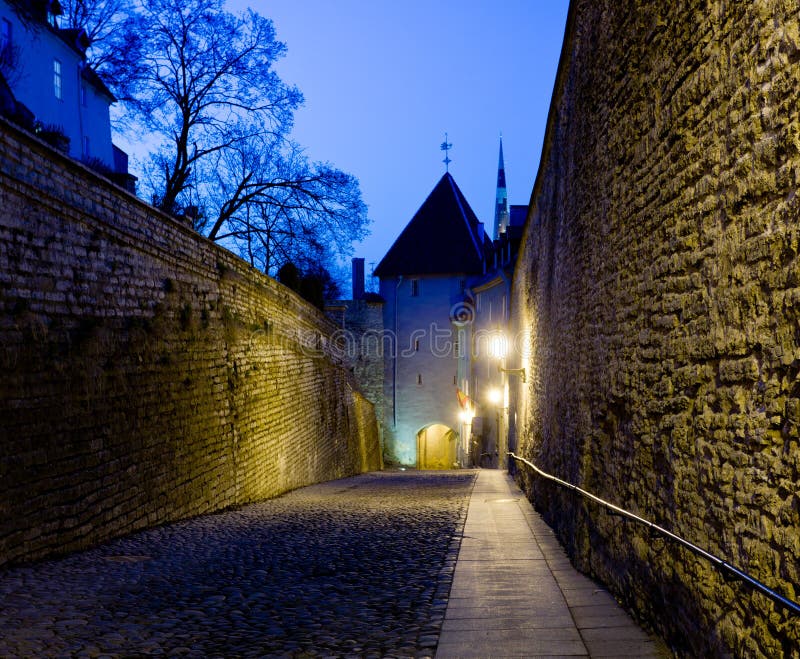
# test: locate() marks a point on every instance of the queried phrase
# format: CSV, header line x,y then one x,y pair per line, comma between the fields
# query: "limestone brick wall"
x,y
362,338
658,289
147,374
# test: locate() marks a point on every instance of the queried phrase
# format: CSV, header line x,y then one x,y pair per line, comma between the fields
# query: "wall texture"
x,y
361,334
659,291
420,364
148,375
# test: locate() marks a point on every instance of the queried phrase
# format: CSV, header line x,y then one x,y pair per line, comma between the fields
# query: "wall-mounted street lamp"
x,y
465,416
495,395
498,348
514,371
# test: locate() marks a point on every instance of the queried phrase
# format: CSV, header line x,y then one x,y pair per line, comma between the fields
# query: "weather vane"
x,y
446,146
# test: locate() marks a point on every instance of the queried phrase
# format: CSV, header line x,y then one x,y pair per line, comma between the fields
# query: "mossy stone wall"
x,y
147,374
658,287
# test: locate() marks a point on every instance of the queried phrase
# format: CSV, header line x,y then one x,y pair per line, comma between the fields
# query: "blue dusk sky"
x,y
383,81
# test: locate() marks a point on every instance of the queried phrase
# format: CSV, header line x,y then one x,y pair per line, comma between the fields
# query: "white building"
x,y
423,279
446,288
45,68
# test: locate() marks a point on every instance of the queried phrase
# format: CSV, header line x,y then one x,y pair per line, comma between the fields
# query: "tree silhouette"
x,y
102,21
202,79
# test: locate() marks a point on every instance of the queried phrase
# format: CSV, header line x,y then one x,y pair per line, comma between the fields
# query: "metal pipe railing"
x,y
720,564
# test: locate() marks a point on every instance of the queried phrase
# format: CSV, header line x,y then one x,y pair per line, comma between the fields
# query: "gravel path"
x,y
355,567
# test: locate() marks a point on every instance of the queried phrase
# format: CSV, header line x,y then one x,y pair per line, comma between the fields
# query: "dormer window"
x,y
57,88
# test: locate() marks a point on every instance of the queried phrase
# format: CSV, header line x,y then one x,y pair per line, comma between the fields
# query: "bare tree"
x,y
276,207
9,61
102,21
201,78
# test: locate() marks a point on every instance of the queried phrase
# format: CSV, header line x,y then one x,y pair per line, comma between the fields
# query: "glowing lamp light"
x,y
498,346
495,395
465,416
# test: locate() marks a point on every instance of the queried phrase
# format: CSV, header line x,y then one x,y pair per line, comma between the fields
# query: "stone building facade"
x,y
360,334
446,288
423,280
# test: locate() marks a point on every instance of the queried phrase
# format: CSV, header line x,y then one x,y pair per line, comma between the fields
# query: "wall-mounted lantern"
x,y
495,395
498,348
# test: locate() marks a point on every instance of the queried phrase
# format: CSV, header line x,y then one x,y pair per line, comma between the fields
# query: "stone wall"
x,y
360,330
147,374
361,335
658,289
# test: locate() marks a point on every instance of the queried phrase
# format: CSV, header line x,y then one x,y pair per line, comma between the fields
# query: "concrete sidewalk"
x,y
515,593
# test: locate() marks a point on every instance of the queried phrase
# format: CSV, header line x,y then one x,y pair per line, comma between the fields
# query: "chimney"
x,y
358,278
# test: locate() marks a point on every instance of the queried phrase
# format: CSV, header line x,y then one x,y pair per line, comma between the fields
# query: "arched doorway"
x,y
436,447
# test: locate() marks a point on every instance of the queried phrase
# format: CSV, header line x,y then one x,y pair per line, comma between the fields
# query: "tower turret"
x,y
501,198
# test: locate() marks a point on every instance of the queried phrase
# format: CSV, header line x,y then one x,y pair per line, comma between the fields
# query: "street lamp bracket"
x,y
514,371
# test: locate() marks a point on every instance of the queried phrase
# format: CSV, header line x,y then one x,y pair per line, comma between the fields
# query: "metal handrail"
x,y
720,564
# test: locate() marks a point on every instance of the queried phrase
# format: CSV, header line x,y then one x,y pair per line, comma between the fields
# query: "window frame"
x,y
58,79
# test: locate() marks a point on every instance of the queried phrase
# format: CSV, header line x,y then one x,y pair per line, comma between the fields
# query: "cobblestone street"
x,y
361,566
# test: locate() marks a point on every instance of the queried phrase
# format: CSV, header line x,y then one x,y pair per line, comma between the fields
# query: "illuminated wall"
x,y
147,374
659,282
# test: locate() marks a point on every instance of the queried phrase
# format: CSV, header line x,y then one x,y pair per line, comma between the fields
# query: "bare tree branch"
x,y
202,79
196,75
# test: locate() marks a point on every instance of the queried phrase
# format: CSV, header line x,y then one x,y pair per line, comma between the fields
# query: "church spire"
x,y
501,198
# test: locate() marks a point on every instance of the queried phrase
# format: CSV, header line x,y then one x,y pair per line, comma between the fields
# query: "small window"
x,y
57,89
454,379
419,378
86,151
416,345
462,285
84,102
415,288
